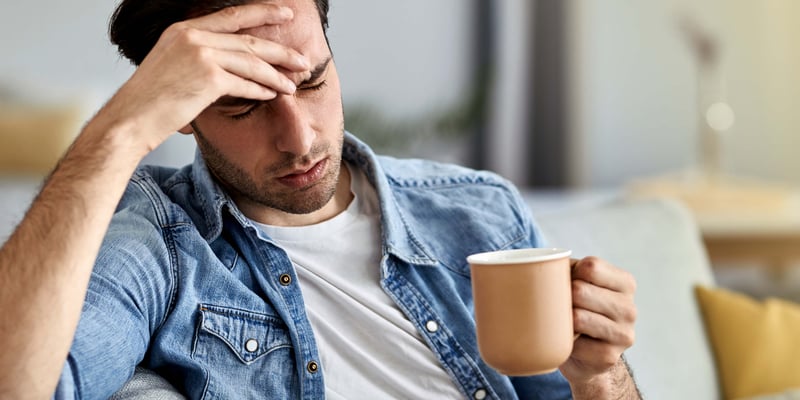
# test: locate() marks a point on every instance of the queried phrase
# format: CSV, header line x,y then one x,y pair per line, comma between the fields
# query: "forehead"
x,y
303,33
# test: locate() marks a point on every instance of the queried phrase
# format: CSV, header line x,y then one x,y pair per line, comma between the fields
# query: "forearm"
x,y
46,263
616,384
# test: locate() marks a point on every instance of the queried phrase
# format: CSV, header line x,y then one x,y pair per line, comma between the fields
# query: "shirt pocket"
x,y
244,354
248,335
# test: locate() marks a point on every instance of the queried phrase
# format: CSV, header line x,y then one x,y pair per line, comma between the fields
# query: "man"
x,y
288,261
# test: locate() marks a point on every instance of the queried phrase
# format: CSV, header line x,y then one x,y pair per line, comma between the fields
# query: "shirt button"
x,y
479,394
312,367
432,326
251,345
285,279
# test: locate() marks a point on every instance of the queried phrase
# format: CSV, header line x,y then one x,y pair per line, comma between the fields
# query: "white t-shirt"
x,y
368,348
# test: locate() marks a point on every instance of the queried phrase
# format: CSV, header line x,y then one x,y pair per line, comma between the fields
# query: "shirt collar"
x,y
210,199
398,237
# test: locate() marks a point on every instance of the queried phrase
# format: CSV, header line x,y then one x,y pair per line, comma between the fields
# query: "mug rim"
x,y
518,256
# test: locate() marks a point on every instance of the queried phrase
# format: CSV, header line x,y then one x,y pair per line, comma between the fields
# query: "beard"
x,y
259,190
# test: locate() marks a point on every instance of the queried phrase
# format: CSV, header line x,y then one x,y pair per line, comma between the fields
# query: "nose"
x,y
294,133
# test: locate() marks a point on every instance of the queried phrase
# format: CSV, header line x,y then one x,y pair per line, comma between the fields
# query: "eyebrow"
x,y
230,101
317,72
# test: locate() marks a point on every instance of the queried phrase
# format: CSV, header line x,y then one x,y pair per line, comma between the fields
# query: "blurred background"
x,y
571,100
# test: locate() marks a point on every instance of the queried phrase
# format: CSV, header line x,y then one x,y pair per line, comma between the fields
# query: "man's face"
x,y
284,155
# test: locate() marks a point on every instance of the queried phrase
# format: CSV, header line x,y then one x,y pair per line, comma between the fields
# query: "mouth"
x,y
305,177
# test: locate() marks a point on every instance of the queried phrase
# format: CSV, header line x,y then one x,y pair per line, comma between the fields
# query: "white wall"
x,y
634,86
632,92
406,57
58,51
59,48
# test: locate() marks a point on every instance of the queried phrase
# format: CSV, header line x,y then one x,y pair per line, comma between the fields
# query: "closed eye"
x,y
247,112
250,108
316,87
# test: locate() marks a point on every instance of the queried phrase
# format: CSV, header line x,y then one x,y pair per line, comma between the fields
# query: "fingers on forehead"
x,y
238,18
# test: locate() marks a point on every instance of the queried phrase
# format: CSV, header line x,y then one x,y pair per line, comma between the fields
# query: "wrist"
x,y
120,139
599,387
136,124
615,384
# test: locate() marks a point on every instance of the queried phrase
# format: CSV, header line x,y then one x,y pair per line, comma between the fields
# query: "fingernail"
x,y
287,12
301,61
289,87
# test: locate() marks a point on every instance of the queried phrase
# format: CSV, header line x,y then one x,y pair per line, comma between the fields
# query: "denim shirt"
x,y
186,285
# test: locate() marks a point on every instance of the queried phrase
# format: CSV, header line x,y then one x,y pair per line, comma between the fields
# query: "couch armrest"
x,y
659,243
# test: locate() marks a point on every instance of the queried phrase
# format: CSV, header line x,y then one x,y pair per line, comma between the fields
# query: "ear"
x,y
186,130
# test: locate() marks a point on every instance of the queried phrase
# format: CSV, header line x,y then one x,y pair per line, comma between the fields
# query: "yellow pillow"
x,y
756,344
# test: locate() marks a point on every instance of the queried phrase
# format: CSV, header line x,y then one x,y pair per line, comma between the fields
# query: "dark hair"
x,y
136,25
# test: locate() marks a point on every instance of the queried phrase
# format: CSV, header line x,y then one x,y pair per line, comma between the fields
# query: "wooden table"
x,y
742,221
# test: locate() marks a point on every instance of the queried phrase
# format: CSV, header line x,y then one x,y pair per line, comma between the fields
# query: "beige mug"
x,y
523,309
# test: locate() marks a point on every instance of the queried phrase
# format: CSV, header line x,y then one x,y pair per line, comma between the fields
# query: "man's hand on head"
x,y
199,60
